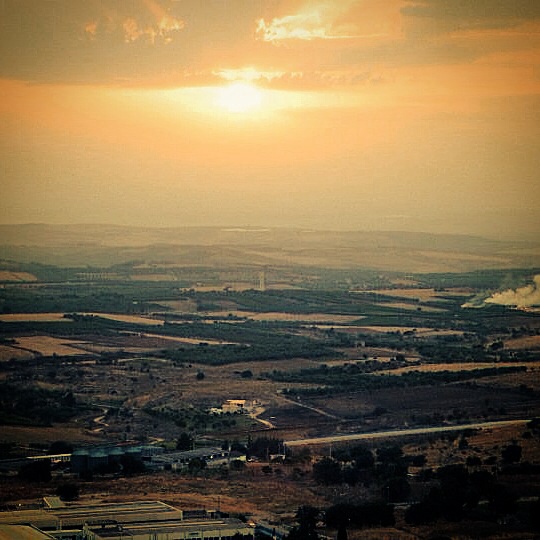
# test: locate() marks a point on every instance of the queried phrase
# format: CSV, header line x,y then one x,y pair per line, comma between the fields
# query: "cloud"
x,y
128,42
88,42
325,43
459,14
248,74
302,79
372,34
307,26
522,297
316,21
150,22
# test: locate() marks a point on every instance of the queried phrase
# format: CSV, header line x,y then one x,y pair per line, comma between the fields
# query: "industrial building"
x,y
216,529
212,456
22,532
145,520
105,458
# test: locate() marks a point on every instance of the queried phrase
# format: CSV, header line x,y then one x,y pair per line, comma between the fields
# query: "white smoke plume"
x,y
522,297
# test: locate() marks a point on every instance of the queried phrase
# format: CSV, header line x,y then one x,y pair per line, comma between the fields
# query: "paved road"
x,y
401,432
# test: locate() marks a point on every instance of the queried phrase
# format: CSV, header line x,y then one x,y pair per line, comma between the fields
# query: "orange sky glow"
x,y
414,115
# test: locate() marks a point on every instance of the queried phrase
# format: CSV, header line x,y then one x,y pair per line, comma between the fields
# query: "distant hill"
x,y
106,245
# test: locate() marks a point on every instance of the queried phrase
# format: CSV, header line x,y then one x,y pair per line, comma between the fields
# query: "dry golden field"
x,y
413,307
181,306
6,275
532,367
425,332
47,345
280,316
7,352
152,277
38,317
421,294
525,342
135,319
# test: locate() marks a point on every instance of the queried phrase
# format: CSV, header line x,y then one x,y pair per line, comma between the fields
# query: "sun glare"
x,y
239,97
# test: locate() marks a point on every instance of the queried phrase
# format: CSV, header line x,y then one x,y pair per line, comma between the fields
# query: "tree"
x,y
342,532
36,471
511,454
60,447
422,513
418,460
184,442
68,492
534,515
362,457
351,475
374,513
501,500
196,465
307,523
262,447
327,471
390,454
473,461
482,482
68,400
237,465
398,489
131,465
454,492
338,514
391,462
200,375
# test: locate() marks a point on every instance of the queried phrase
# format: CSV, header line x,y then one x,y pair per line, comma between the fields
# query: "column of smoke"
x,y
522,297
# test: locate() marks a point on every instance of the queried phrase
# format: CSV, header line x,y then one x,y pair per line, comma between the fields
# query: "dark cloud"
x,y
120,40
479,13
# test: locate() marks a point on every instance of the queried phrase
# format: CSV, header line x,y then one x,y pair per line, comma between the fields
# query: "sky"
x,y
405,115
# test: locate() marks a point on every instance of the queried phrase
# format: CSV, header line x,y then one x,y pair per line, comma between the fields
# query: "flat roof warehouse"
x,y
142,520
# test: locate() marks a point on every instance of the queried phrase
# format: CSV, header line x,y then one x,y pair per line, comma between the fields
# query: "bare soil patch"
x,y
47,435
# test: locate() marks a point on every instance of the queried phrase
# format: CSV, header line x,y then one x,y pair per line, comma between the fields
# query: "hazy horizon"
x,y
346,115
503,237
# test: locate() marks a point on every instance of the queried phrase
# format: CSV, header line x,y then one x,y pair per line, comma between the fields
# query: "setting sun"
x,y
239,97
